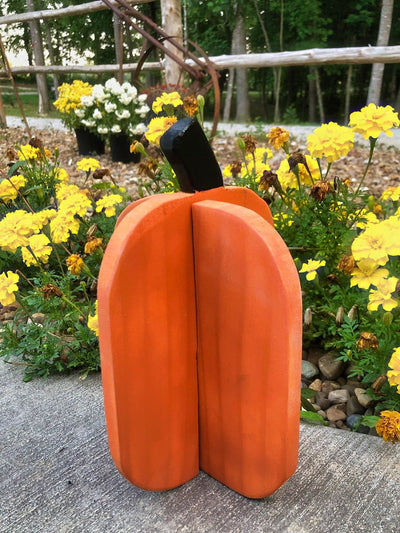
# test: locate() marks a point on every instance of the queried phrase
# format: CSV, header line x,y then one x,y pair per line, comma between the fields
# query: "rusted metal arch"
x,y
199,68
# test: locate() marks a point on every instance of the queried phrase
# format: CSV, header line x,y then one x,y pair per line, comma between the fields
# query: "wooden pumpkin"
x,y
200,342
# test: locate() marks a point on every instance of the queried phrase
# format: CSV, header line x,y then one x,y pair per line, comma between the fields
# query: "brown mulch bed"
x,y
384,171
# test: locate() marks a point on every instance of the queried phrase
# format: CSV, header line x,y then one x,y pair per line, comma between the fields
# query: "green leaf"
x,y
312,417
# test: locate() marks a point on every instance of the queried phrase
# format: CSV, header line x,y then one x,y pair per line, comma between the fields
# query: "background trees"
x,y
222,26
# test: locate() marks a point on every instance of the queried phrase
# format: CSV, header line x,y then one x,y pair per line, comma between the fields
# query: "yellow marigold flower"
x,y
62,175
157,127
392,193
330,140
388,426
93,244
366,219
173,99
371,244
69,95
8,286
394,373
62,226
16,228
108,203
76,204
311,268
367,273
288,179
75,264
28,152
63,190
43,217
260,154
9,187
383,295
93,321
277,137
87,164
41,248
373,120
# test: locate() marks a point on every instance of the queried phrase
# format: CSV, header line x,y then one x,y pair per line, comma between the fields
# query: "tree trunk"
x,y
117,27
51,57
229,93
242,88
37,45
311,96
375,85
319,95
171,21
348,93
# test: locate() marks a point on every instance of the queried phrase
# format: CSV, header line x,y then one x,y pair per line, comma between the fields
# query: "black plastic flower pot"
x,y
89,143
120,149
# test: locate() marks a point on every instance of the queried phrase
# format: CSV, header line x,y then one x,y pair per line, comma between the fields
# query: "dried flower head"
x,y
388,426
268,179
250,144
12,154
295,159
346,264
99,173
36,143
367,340
320,190
190,105
49,290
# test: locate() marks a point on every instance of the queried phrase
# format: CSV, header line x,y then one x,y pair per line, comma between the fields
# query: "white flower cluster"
x,y
114,108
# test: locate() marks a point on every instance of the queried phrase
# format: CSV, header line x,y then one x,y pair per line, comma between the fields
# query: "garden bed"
x,y
383,173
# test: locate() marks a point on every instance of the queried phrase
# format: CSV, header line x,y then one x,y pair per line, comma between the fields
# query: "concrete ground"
x,y
57,476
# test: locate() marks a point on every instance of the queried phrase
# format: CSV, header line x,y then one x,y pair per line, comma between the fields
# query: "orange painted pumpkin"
x,y
200,342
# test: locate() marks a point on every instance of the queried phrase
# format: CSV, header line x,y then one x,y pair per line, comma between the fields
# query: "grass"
x,y
30,103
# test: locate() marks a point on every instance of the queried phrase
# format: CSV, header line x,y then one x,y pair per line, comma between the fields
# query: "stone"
x,y
322,413
328,386
316,385
364,399
352,420
38,318
308,370
354,407
339,396
335,413
330,367
323,401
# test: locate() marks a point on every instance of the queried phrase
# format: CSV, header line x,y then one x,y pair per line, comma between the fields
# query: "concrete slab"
x,y
56,476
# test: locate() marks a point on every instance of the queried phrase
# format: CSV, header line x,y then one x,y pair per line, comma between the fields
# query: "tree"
x,y
375,85
37,46
242,87
171,15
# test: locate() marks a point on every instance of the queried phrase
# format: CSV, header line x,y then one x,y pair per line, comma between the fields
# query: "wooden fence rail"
x,y
313,56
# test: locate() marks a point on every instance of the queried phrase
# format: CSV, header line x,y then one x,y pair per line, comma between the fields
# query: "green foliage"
x,y
323,221
52,247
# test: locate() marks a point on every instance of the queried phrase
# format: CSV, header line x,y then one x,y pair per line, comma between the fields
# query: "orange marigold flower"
x,y
367,340
190,105
346,264
277,137
388,426
75,264
93,244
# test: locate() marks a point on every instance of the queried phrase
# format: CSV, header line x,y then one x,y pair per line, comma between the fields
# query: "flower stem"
x,y
372,142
